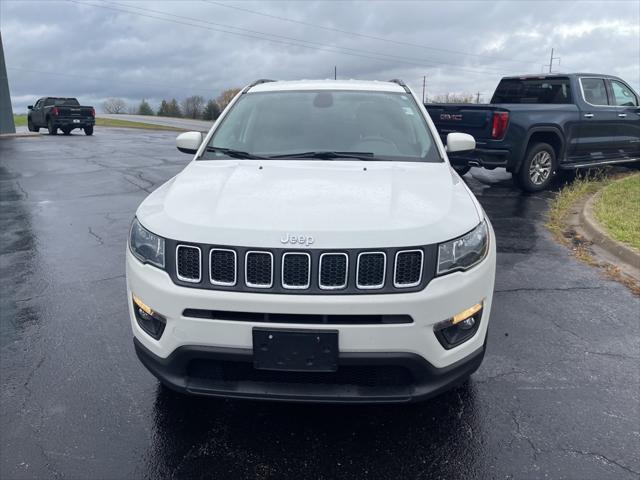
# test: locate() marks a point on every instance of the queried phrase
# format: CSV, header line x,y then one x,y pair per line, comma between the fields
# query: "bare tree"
x,y
225,97
192,106
114,105
452,98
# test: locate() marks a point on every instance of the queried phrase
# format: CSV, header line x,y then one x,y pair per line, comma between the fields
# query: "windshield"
x,y
350,125
533,90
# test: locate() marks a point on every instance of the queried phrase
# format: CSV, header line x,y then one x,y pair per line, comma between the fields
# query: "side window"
x,y
37,105
595,91
622,95
48,101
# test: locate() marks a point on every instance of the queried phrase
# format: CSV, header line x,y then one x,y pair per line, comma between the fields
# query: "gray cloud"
x,y
95,49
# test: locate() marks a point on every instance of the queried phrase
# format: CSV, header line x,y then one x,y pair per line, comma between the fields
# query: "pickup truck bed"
x,y
574,132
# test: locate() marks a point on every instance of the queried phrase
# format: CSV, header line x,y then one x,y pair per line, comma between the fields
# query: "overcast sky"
x,y
94,49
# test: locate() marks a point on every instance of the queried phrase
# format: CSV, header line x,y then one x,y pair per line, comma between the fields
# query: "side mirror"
x,y
29,107
189,142
460,142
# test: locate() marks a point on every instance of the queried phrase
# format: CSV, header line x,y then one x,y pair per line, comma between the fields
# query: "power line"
x,y
371,37
289,40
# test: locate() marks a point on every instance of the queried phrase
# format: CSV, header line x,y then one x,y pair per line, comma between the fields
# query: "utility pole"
x,y
551,59
424,88
478,97
335,72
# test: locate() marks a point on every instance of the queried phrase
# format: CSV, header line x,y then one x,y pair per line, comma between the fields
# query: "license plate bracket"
x,y
295,350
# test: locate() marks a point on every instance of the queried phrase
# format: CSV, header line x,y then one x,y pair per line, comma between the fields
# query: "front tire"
x,y
538,168
53,130
88,130
31,127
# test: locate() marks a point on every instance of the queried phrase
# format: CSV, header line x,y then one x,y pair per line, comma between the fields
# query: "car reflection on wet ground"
x,y
557,394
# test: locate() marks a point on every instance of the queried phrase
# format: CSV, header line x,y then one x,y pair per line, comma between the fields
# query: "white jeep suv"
x,y
318,247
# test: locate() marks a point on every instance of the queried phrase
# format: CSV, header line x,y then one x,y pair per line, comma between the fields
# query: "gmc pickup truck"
x,y
55,113
536,125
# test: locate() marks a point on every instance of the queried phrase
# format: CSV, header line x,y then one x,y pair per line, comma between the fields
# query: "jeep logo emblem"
x,y
291,239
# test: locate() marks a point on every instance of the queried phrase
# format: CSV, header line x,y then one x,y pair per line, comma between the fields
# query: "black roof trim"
x,y
257,82
401,83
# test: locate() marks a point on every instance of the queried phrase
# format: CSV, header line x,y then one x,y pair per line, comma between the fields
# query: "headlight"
x,y
464,252
146,246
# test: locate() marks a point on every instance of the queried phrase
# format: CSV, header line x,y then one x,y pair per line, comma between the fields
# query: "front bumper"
x,y
229,373
412,346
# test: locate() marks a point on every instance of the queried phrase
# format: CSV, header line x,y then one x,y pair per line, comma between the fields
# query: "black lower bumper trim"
x,y
360,378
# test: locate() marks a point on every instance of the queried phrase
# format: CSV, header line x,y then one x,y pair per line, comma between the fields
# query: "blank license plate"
x,y
295,350
76,121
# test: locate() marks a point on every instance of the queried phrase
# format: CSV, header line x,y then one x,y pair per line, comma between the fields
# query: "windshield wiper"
x,y
235,153
328,155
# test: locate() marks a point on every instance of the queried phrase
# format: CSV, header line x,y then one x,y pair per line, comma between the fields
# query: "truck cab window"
x,y
622,95
594,90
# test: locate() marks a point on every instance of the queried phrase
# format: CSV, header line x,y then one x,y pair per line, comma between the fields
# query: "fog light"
x,y
151,322
459,328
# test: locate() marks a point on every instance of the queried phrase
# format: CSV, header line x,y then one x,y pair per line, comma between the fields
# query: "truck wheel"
x,y
462,169
52,130
66,131
31,127
537,169
88,130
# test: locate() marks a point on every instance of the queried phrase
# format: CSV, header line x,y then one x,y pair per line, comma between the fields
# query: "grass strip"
x,y
618,210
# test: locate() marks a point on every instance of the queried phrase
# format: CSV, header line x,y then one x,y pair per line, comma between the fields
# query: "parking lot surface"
x,y
556,397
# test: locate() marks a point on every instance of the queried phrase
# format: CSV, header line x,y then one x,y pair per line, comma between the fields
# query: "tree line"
x,y
194,106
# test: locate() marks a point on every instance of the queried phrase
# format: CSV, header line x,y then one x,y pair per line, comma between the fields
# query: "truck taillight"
x,y
93,112
500,122
54,111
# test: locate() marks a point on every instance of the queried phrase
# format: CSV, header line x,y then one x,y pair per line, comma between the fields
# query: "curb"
x,y
600,237
19,135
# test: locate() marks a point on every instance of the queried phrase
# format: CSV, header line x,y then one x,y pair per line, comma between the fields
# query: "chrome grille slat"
x,y
188,264
258,269
296,270
371,270
408,267
223,267
332,269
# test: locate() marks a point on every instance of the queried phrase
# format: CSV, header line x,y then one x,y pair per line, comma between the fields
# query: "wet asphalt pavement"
x,y
558,394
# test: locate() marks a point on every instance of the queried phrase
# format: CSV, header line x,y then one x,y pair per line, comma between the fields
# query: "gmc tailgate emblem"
x,y
449,116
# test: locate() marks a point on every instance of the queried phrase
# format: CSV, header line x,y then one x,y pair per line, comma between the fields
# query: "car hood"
x,y
340,204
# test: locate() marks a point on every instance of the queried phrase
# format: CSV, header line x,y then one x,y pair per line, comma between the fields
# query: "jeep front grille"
x,y
296,270
188,260
259,269
408,268
333,271
222,266
371,270
303,271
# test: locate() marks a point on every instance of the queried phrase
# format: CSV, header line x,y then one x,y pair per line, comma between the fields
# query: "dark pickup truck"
x,y
536,125
55,113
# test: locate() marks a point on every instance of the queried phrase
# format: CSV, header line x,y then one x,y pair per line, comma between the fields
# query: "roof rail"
x,y
401,83
257,82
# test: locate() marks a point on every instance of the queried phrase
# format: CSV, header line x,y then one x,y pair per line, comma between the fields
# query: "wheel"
x,y
537,169
88,130
52,130
462,170
66,131
31,126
